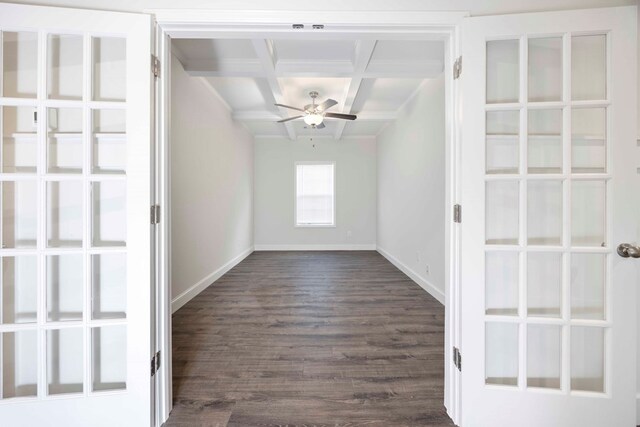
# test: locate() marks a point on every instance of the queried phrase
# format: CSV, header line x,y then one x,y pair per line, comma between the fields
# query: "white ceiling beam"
x,y
266,55
422,69
224,68
364,50
264,116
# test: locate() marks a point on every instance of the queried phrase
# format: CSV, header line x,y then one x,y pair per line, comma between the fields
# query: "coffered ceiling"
x,y
370,78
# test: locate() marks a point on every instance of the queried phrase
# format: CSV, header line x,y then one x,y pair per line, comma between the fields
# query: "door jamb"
x,y
163,376
186,23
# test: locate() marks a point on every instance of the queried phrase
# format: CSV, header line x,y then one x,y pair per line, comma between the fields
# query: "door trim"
x,y
397,25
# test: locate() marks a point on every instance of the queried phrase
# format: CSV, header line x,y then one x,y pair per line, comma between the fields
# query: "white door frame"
x,y
397,25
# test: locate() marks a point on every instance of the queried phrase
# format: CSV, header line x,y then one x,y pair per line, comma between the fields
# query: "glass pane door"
x,y
546,211
546,104
60,148
74,177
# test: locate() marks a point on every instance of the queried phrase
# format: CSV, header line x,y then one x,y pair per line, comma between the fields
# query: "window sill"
x,y
315,226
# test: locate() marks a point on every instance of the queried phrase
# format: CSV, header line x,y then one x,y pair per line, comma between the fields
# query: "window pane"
x,y
20,62
315,197
545,69
19,355
589,67
64,67
503,81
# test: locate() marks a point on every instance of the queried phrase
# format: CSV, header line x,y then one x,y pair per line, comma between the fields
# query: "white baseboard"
x,y
370,247
194,290
424,283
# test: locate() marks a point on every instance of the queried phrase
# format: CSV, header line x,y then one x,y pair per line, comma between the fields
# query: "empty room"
x,y
346,213
304,218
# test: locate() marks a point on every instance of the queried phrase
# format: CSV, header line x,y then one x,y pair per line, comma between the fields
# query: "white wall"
x,y
411,188
474,7
355,193
211,187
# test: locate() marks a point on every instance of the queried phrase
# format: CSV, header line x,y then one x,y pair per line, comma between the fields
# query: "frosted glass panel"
x,y
588,67
109,69
19,289
65,361
109,214
502,198
587,358
64,287
64,66
64,138
19,364
588,286
109,358
503,71
588,140
544,152
19,142
501,353
588,207
545,69
19,214
64,214
503,128
544,213
109,141
544,284
501,283
544,344
109,284
20,64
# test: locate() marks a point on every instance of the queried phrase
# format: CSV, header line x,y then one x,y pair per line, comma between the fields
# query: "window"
x,y
315,194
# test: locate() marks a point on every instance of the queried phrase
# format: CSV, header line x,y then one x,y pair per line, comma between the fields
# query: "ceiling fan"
x,y
314,114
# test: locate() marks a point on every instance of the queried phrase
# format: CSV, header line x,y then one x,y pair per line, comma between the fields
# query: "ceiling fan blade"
x,y
289,118
289,106
341,116
320,126
326,104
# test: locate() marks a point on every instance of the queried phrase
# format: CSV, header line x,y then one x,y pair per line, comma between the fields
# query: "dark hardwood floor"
x,y
310,339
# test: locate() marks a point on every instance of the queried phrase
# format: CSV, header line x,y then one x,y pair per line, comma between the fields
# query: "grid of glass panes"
x,y
63,220
546,250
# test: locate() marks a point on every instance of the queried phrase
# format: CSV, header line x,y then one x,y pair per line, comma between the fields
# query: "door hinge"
x,y
155,214
457,358
457,68
155,66
155,363
457,213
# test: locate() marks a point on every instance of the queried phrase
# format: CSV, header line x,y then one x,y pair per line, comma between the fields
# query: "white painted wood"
x,y
164,392
494,405
195,289
419,279
336,247
370,77
265,53
130,407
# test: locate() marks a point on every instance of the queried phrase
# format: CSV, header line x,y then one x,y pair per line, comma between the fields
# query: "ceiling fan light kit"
x,y
314,114
313,119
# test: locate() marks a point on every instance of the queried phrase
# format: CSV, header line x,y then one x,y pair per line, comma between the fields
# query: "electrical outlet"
x,y
349,233
428,269
418,256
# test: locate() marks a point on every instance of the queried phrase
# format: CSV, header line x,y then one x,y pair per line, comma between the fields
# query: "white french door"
x,y
75,294
549,192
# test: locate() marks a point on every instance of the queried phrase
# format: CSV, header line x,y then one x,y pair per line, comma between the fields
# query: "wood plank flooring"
x,y
310,339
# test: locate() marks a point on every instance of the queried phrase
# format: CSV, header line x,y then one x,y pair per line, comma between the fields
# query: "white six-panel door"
x,y
75,161
548,307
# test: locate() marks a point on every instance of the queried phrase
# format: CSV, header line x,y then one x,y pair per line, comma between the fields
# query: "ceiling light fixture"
x,y
313,119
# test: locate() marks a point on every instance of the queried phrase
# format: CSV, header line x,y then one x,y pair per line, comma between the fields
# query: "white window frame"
x,y
295,194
